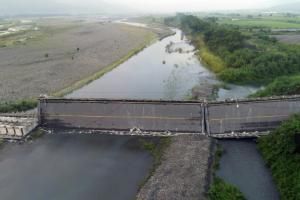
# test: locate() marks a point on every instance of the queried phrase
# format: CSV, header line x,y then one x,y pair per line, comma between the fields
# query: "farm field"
x,y
289,39
265,22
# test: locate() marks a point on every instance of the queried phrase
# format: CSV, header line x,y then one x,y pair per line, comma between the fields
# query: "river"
x,y
242,166
108,167
160,73
73,167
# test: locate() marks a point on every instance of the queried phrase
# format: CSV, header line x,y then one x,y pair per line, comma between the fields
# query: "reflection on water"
x,y
73,167
243,166
153,74
166,70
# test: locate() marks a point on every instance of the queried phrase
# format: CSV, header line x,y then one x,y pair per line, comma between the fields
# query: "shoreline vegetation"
x,y
28,104
281,151
219,189
239,55
286,85
18,106
157,149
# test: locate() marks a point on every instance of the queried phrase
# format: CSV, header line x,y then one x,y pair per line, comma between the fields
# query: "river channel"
x,y
160,73
91,167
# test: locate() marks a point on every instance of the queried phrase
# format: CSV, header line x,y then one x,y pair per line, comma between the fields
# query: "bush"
x,y
17,106
281,86
224,191
280,152
215,63
241,57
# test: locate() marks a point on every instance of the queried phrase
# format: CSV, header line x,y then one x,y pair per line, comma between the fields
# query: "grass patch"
x,y
262,22
79,84
218,155
18,106
281,86
156,149
208,58
281,151
212,61
36,134
219,189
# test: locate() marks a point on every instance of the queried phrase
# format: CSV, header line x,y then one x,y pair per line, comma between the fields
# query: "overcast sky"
x,y
60,6
196,5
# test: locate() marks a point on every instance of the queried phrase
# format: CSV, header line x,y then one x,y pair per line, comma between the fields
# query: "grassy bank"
x,y
281,150
156,149
219,189
281,86
18,106
207,57
79,84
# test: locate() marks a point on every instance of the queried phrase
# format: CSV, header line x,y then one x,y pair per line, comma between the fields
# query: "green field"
x,y
266,22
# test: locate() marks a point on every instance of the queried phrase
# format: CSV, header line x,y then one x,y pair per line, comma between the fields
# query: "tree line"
x,y
249,57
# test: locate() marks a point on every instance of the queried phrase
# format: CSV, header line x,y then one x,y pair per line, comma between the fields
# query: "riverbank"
x,y
183,172
281,150
46,65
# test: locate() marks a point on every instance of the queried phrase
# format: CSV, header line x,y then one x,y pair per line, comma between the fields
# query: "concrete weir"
x,y
16,127
227,119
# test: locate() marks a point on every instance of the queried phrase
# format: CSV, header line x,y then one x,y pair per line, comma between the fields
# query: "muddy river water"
x,y
91,167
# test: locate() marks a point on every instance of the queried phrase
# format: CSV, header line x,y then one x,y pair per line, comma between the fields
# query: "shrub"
x,y
17,106
280,152
281,86
224,191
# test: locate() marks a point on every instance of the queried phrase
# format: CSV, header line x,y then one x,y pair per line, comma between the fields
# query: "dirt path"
x,y
183,172
52,63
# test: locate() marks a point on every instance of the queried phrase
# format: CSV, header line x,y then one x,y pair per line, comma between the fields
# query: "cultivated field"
x,y
61,53
289,39
273,22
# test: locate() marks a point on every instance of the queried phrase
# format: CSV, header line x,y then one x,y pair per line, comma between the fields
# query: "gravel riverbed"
x,y
183,171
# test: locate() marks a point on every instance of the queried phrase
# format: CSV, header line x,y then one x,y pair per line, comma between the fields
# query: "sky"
x,y
121,6
198,5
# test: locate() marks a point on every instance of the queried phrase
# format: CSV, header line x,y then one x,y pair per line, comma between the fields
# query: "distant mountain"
x,y
291,7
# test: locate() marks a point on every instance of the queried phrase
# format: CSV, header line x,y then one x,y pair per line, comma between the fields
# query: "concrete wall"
x,y
249,116
122,115
16,127
214,118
